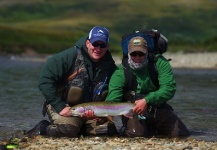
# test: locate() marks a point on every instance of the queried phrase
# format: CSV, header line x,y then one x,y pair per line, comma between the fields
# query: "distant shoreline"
x,y
190,60
193,60
179,60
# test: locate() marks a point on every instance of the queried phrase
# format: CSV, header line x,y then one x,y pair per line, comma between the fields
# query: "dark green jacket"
x,y
59,67
154,96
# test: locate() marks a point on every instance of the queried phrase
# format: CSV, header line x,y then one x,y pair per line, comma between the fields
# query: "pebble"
x,y
115,143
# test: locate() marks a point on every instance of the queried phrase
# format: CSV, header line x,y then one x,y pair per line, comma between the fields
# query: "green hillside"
x,y
49,26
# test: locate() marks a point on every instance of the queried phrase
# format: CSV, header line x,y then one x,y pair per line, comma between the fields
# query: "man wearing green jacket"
x,y
76,75
150,100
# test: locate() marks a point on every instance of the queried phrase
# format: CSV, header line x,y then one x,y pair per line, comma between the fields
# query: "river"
x,y
21,102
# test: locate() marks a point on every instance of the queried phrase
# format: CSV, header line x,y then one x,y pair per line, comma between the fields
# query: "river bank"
x,y
179,60
113,143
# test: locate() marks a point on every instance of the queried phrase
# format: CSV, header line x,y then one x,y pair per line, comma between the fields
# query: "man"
x,y
73,76
150,100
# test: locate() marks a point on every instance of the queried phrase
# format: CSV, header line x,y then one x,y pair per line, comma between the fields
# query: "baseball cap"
x,y
137,44
98,33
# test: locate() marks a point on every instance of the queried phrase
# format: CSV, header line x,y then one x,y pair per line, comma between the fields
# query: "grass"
x,y
52,26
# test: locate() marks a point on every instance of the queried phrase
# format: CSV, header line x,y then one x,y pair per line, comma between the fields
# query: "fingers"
x,y
66,112
140,107
89,113
138,110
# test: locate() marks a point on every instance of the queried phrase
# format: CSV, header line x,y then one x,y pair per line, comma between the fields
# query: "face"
x,y
96,50
137,56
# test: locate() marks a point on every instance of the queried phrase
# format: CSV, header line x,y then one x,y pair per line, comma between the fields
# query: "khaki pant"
x,y
75,126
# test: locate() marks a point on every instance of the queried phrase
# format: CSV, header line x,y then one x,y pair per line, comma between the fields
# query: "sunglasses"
x,y
102,45
140,54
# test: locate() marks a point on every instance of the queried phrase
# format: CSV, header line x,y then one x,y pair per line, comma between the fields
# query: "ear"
x,y
87,43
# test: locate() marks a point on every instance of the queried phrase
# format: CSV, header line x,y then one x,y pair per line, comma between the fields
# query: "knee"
x,y
74,95
181,134
179,130
135,128
133,132
184,133
63,130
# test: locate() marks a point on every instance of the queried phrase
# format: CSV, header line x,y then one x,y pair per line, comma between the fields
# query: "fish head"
x,y
77,111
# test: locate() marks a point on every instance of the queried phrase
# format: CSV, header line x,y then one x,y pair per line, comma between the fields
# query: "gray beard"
x,y
137,66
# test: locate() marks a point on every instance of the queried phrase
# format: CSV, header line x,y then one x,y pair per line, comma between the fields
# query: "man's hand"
x,y
65,112
88,114
140,107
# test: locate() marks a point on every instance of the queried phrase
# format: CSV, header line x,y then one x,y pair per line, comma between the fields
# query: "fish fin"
x,y
129,114
110,119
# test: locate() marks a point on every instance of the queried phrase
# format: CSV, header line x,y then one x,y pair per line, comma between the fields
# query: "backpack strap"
x,y
152,69
130,80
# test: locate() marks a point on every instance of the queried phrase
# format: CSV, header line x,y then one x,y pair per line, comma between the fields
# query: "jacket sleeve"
x,y
116,85
56,70
167,84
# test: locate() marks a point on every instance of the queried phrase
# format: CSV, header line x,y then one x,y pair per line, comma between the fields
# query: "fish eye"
x,y
72,108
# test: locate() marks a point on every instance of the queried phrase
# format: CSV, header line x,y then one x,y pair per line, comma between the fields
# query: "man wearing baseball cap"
x,y
132,81
76,75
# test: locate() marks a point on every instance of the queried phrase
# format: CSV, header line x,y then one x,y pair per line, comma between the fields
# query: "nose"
x,y
98,48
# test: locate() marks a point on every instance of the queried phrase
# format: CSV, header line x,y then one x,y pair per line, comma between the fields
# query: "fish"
x,y
104,109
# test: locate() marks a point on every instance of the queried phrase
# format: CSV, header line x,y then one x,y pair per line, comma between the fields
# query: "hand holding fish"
x,y
66,112
140,107
88,114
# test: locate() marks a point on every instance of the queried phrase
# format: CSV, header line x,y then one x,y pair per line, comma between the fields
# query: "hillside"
x,y
49,26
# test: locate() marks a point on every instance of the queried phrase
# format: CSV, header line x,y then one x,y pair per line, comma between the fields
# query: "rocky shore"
x,y
112,143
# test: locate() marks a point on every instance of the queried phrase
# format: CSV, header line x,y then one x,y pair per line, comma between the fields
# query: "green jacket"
x,y
153,95
60,66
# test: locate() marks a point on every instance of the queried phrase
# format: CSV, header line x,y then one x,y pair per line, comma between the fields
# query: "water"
x,y
21,101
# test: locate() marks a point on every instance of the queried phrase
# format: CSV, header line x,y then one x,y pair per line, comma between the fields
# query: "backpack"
x,y
156,43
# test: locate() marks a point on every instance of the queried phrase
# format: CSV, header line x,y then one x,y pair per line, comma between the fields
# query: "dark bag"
x,y
157,44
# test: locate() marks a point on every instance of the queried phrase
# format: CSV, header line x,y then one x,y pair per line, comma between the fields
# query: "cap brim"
x,y
94,39
136,49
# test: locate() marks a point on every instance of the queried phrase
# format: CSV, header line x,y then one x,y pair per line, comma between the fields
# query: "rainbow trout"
x,y
104,109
